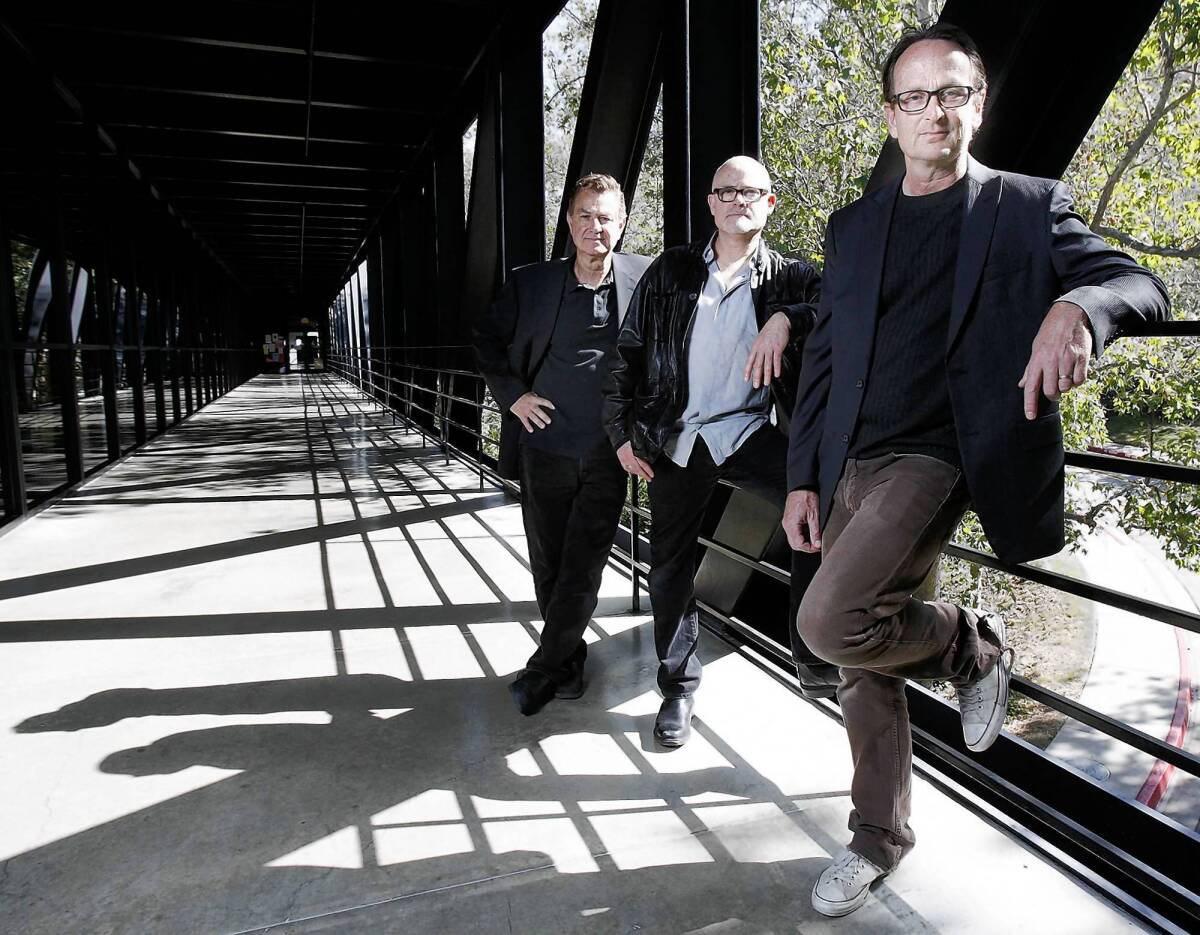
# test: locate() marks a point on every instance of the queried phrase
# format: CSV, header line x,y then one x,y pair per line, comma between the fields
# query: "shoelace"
x,y
970,697
847,868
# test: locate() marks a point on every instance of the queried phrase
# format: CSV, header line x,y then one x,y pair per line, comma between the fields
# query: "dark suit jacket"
x,y
511,338
1022,248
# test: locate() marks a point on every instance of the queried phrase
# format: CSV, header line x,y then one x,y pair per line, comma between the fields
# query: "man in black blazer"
x,y
958,305
542,348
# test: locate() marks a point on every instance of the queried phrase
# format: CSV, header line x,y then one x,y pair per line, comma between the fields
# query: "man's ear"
x,y
889,114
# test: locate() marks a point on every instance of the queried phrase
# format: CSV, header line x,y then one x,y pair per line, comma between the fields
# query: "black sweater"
x,y
906,402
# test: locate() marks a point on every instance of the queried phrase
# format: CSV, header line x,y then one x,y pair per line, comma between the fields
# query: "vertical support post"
x,y
102,289
187,333
134,360
62,338
157,330
12,467
708,114
173,352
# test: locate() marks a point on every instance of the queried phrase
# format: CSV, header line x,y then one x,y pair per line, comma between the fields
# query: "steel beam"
x,y
449,232
521,145
12,468
616,107
102,290
709,113
58,321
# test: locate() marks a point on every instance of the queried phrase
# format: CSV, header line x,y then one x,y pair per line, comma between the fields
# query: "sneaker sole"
x,y
1005,662
837,910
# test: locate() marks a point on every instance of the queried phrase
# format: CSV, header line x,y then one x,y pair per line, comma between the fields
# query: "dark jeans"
x,y
678,500
890,518
571,507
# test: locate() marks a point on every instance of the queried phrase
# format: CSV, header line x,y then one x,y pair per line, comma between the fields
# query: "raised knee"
x,y
822,626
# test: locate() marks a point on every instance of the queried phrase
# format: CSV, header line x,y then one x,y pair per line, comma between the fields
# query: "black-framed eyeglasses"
x,y
749,195
950,97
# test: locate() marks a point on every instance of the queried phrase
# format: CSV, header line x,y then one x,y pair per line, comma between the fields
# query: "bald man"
x,y
711,339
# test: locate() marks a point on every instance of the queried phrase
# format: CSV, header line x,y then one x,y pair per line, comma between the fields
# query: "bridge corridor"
x,y
255,680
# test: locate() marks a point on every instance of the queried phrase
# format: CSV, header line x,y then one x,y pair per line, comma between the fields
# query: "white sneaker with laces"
x,y
982,704
845,884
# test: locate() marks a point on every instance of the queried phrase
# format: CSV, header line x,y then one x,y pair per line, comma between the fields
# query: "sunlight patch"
x,y
499,808
522,763
557,838
341,850
403,845
587,754
647,703
434,805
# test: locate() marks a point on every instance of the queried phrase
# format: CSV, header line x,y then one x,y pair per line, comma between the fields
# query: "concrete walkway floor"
x,y
254,680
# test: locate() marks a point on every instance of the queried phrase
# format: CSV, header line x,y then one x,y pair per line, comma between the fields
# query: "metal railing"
x,y
424,395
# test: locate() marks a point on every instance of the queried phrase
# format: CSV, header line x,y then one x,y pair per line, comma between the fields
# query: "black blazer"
x,y
1022,248
511,338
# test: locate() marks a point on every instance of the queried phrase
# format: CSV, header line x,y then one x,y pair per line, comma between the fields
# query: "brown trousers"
x,y
890,518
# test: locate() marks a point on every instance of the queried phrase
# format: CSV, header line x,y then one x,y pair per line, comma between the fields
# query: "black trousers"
x,y
571,507
678,500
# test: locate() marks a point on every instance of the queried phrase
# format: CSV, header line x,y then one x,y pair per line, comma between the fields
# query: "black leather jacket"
x,y
646,389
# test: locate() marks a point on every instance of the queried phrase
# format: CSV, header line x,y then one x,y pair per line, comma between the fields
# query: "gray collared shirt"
x,y
722,408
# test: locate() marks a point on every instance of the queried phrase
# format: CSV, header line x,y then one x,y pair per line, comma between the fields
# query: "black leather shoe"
x,y
531,690
574,686
818,681
673,727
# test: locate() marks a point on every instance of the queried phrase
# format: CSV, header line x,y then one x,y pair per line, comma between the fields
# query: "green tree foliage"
x,y
1136,179
821,120
22,255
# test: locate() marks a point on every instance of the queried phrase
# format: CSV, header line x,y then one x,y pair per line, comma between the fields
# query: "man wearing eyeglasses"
x,y
959,304
713,329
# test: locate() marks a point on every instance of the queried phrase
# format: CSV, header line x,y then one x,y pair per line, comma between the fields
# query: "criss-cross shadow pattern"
x,y
255,681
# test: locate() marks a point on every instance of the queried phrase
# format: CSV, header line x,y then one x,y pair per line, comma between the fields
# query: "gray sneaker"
x,y
982,703
845,884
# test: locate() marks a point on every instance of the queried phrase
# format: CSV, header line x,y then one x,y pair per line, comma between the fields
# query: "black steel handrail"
x,y
85,346
1106,860
1146,608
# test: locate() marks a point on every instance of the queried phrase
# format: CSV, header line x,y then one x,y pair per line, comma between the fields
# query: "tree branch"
x,y
1188,253
1135,146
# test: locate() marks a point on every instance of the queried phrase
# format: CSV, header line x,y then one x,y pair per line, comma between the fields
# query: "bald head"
x,y
740,217
743,171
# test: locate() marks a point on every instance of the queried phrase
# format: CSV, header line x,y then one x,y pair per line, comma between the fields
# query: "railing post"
x,y
635,529
445,385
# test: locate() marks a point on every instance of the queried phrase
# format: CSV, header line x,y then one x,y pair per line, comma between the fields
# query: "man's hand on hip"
x,y
766,356
531,410
1059,360
632,463
802,520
